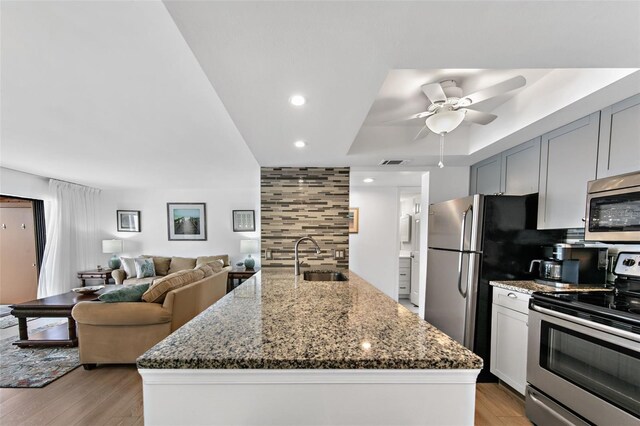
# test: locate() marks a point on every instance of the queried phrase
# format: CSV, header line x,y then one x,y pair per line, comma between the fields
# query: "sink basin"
x,y
325,276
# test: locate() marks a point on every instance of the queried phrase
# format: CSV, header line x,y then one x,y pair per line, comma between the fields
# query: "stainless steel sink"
x,y
325,276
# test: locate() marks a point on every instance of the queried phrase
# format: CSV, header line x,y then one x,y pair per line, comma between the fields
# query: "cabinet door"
x,y
485,176
567,162
521,168
620,138
509,330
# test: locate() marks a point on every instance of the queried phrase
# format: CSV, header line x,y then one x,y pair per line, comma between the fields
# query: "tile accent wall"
x,y
305,201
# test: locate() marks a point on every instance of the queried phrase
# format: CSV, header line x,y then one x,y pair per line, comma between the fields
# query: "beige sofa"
x,y
118,333
167,265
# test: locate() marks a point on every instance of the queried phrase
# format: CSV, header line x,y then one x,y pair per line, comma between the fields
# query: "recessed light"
x,y
368,180
297,100
300,144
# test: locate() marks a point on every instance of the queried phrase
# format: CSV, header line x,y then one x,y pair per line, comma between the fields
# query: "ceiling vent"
x,y
393,162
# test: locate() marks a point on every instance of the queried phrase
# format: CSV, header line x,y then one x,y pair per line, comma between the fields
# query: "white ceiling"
x,y
108,94
146,93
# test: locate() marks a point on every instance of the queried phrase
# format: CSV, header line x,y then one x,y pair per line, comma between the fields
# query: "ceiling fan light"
x,y
444,121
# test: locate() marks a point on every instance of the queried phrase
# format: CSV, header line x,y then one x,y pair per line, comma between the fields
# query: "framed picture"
x,y
244,220
187,221
354,220
128,220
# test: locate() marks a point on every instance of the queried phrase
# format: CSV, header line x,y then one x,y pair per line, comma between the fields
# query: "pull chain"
x,y
441,163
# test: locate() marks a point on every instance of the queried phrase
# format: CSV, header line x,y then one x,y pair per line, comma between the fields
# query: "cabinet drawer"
x,y
511,299
405,262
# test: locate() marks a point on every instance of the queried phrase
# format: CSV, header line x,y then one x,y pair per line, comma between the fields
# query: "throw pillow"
x,y
206,269
129,266
181,264
207,259
128,293
144,267
160,287
216,265
161,264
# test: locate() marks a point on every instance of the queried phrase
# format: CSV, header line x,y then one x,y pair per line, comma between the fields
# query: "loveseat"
x,y
164,266
118,333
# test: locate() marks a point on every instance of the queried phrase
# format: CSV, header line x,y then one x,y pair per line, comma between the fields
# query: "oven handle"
x,y
590,324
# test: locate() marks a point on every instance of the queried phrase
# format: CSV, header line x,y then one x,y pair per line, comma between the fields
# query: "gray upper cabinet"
x,y
619,150
485,176
567,162
513,172
521,168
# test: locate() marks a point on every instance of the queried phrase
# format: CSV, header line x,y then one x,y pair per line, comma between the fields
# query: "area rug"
x,y
10,321
5,310
34,367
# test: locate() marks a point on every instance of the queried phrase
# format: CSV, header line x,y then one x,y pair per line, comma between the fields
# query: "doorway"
x,y
22,238
409,248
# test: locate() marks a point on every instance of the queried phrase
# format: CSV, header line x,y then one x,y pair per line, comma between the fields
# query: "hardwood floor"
x,y
497,406
112,395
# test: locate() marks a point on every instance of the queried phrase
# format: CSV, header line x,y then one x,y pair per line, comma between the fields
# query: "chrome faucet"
x,y
295,252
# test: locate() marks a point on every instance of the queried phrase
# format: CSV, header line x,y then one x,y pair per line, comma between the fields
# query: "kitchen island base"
x,y
309,397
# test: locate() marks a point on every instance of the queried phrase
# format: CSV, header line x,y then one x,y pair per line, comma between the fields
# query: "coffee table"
x,y
58,306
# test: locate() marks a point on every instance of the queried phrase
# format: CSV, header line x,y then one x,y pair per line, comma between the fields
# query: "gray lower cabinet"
x,y
509,334
485,176
404,281
619,150
513,172
568,160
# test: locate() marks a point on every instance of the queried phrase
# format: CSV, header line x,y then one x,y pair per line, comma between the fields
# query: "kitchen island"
x,y
281,350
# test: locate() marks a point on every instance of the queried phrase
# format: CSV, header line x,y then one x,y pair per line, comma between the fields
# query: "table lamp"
x,y
247,247
113,247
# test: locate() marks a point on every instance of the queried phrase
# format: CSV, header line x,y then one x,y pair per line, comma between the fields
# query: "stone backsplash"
x,y
300,201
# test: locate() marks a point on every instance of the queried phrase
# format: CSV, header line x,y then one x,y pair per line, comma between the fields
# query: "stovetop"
x,y
618,308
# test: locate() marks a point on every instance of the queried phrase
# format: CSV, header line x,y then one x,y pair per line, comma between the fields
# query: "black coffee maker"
x,y
566,264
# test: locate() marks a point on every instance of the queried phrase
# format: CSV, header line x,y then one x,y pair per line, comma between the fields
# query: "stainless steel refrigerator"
x,y
472,241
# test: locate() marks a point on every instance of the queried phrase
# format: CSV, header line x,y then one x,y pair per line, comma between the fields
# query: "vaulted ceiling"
x,y
137,93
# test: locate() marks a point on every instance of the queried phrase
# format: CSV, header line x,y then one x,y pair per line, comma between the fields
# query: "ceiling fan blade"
x,y
478,117
411,117
420,133
434,92
490,92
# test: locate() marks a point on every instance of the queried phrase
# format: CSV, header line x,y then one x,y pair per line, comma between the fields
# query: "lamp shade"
x,y
444,121
249,246
112,246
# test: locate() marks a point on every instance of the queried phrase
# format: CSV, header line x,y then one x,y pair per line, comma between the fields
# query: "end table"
x,y
103,274
239,273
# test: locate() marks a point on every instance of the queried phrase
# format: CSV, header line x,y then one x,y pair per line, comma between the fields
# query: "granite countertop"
x,y
275,321
529,286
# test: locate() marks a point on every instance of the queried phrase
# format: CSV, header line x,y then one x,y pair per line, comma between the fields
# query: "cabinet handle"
x,y
512,295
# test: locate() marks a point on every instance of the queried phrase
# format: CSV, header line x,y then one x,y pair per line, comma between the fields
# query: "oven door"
x,y
590,368
613,216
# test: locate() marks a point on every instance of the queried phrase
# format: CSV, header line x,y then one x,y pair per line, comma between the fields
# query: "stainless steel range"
x,y
583,364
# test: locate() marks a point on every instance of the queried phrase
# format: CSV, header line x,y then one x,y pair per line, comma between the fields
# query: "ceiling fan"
x,y
446,98
449,107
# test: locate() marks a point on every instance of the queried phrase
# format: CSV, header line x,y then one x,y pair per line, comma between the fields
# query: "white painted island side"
x,y
283,351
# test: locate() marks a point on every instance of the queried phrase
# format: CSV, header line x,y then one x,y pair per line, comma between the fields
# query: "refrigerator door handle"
x,y
462,235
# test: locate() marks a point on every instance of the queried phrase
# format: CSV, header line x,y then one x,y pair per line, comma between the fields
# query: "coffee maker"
x,y
566,264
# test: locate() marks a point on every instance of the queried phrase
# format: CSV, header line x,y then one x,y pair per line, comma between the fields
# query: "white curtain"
x,y
72,237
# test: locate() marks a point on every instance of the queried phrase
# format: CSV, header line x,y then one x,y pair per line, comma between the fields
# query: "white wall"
x,y
437,185
373,251
152,203
19,184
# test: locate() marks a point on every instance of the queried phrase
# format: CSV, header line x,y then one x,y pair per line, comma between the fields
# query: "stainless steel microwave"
x,y
613,209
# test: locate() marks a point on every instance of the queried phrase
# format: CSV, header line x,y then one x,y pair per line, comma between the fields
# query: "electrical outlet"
x,y
268,255
338,254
